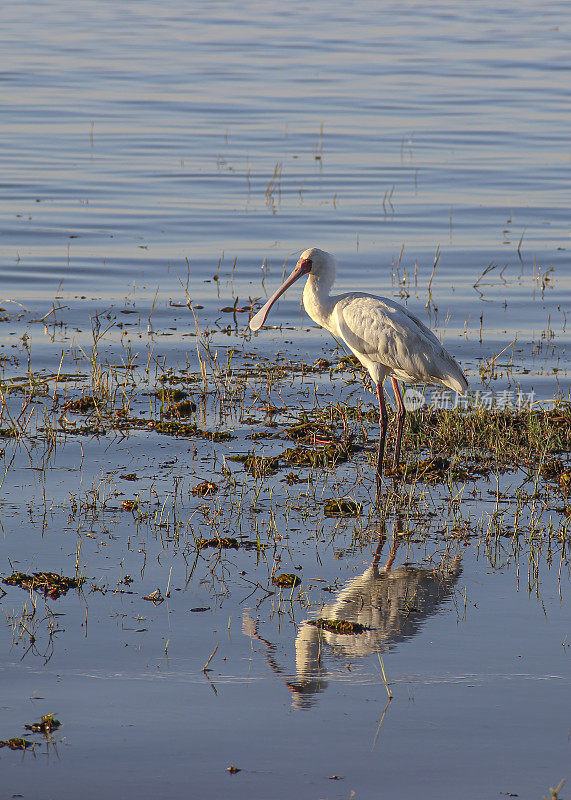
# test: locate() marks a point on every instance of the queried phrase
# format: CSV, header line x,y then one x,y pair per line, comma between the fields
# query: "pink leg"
x,y
380,543
383,423
397,533
392,555
400,421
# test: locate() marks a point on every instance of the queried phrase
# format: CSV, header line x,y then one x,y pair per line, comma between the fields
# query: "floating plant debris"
x,y
46,726
50,583
169,395
292,478
349,362
204,489
173,428
328,456
183,409
559,472
434,469
82,405
287,580
16,743
226,543
84,430
342,508
337,625
155,597
309,430
260,466
551,470
258,435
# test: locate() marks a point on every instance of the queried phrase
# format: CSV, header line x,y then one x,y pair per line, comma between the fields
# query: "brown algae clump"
x,y
16,743
46,726
341,507
337,625
287,580
168,395
82,405
257,466
308,431
435,469
50,583
204,489
177,410
188,430
155,597
227,543
328,456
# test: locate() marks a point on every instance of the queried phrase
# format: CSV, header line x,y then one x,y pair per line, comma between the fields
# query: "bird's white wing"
x,y
385,333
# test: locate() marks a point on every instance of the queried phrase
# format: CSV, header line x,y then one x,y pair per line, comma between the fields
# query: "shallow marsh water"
x,y
156,153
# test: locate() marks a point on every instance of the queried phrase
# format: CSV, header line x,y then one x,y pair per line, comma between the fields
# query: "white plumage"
x,y
386,338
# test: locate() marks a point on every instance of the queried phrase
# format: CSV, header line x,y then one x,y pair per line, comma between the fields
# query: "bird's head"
x,y
312,261
319,262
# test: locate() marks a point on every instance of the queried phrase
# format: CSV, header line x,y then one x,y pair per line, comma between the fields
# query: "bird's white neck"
x,y
316,298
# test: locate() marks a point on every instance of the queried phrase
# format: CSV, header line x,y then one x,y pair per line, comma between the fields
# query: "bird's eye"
x,y
307,262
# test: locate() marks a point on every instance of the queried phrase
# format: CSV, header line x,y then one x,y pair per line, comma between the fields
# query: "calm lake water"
x,y
159,164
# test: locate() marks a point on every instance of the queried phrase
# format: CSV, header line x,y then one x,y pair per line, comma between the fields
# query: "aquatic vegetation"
x,y
237,477
327,456
190,431
155,597
204,489
342,507
287,580
169,395
342,626
82,405
185,408
510,437
48,724
434,469
16,743
49,583
228,542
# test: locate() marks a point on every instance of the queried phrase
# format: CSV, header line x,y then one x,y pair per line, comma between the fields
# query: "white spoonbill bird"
x,y
386,338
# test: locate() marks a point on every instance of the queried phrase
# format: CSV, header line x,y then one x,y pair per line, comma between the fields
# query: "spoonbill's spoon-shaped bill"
x,y
301,268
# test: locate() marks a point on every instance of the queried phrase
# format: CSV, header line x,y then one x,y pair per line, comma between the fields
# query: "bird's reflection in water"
x,y
391,603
